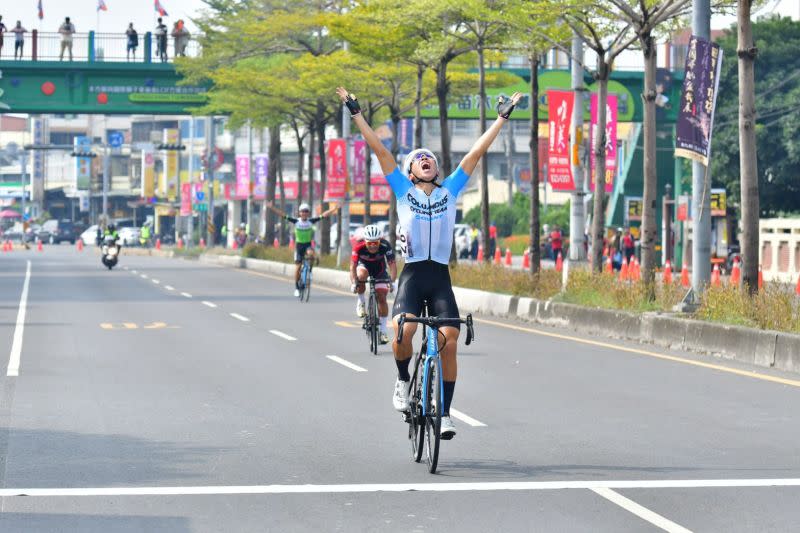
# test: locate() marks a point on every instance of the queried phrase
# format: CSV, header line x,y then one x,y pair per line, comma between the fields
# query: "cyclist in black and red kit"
x,y
374,257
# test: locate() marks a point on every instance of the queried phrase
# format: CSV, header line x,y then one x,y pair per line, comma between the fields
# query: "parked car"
x,y
354,234
129,236
462,238
89,236
57,231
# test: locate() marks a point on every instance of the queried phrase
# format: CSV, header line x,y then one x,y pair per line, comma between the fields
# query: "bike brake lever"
x,y
400,323
470,332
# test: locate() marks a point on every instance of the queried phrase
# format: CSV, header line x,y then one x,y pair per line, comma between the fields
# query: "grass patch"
x,y
495,278
285,255
605,291
776,307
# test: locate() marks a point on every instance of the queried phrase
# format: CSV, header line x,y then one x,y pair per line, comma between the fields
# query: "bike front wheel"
x,y
433,420
416,424
308,283
373,324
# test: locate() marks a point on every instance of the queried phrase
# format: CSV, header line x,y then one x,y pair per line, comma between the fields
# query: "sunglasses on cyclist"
x,y
426,155
373,243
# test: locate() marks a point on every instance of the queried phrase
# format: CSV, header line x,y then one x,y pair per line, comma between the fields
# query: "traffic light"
x,y
83,154
171,147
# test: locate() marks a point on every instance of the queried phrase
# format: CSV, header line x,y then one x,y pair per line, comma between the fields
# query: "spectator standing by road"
x,y
492,239
161,40
474,242
133,41
629,244
19,39
2,31
556,242
67,29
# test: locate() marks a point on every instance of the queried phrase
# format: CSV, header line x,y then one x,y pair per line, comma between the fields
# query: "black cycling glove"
x,y
505,107
352,104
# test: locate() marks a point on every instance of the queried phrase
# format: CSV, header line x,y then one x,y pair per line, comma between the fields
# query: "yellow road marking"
x,y
124,325
745,373
159,325
347,324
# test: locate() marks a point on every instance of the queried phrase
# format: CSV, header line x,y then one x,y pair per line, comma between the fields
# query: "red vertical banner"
x,y
360,168
186,199
242,176
611,141
559,116
336,168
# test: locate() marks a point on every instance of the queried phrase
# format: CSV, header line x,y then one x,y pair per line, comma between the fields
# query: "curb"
x,y
769,349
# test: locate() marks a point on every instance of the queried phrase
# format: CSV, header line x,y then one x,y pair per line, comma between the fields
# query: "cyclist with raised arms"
x,y
303,234
426,208
371,257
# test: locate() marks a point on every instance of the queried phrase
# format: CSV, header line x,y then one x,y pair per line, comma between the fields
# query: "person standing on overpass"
x,y
66,30
19,39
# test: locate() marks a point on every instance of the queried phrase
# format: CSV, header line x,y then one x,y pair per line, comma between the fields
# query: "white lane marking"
x,y
169,287
16,344
237,316
186,295
399,487
155,281
124,268
209,304
134,272
346,363
642,512
466,418
282,335
143,276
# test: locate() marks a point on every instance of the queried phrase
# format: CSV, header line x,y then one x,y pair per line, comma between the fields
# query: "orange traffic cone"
x,y
736,273
508,257
668,273
685,276
202,242
80,245
480,253
797,288
275,243
291,243
715,278
559,263
5,246
526,260
497,256
760,278
609,265
235,245
180,244
39,246
624,271
158,244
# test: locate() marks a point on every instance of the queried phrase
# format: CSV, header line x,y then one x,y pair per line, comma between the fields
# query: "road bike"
x,y
306,277
371,325
426,389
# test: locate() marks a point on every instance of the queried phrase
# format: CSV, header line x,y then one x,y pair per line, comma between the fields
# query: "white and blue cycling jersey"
x,y
427,222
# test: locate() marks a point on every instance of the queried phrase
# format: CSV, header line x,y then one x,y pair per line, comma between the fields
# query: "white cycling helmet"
x,y
304,207
410,159
372,233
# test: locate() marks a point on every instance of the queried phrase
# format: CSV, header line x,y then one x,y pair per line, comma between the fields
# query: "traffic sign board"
x,y
202,207
200,195
115,139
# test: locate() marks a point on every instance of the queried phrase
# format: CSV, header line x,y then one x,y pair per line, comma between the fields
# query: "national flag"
x,y
161,11
41,10
101,5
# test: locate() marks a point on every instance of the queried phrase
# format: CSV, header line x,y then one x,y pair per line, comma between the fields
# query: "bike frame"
x,y
431,355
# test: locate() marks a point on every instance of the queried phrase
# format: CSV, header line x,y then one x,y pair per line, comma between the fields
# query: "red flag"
x,y
101,5
161,11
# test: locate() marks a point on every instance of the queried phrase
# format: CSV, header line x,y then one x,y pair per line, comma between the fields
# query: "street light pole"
x,y
24,165
106,170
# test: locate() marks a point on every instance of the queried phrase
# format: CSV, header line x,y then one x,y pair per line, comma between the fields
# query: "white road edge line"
x,y
642,512
169,287
209,304
345,362
16,344
398,487
237,316
186,295
282,335
466,418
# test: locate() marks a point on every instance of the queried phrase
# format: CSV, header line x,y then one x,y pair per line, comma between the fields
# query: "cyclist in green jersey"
x,y
303,234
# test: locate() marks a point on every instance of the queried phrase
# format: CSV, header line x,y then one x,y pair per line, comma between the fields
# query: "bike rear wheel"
x,y
433,420
302,285
308,282
373,324
416,425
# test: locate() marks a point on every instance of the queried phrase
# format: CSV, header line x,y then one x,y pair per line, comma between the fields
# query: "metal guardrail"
x,y
96,47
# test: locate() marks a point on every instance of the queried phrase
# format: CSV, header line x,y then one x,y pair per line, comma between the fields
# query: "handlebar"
x,y
436,322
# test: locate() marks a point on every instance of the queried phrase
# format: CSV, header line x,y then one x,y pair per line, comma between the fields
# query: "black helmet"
x,y
112,227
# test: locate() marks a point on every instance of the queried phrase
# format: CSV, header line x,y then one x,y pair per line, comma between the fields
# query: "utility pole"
x,y
577,213
344,233
190,221
250,176
210,228
106,170
23,167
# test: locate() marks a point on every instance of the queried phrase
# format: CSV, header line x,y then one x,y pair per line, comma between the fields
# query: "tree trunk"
x,y
284,237
325,223
274,153
533,158
301,154
442,88
598,216
311,141
483,166
418,109
649,226
747,147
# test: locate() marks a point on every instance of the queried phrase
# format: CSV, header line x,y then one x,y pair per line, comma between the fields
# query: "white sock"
x,y
361,298
383,323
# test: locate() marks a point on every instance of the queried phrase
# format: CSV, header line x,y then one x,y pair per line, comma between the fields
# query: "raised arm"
x,y
330,211
275,210
384,156
480,147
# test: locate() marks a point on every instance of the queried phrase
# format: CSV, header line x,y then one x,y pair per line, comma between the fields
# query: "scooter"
x,y
110,253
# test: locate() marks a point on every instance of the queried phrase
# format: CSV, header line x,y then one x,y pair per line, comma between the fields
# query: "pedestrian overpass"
x,y
100,79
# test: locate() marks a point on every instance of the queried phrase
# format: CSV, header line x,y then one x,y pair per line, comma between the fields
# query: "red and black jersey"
x,y
375,263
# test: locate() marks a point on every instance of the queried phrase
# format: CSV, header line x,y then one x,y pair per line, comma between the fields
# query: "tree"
x,y
747,147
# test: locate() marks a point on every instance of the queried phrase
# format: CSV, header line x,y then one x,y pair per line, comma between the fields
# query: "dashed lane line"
x,y
209,304
169,287
642,512
19,330
345,362
143,276
155,281
282,335
455,413
186,295
237,316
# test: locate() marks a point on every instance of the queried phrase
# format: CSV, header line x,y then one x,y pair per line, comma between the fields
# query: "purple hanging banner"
x,y
262,169
698,100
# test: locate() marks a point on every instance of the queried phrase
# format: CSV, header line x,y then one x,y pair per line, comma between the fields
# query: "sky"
x,y
83,14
